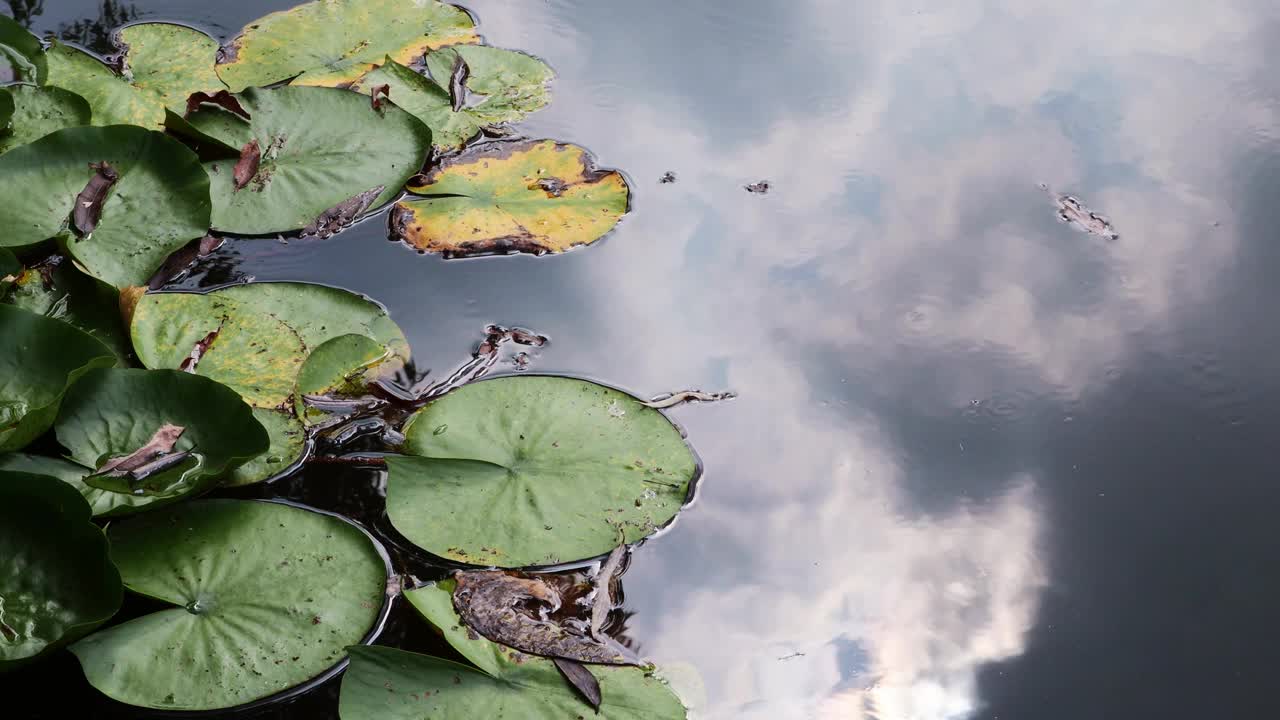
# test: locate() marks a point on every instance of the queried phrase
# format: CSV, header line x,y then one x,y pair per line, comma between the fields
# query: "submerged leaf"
x,y
39,359
39,111
10,268
265,596
509,85
387,684
335,42
127,419
320,149
533,196
56,581
105,504
20,53
159,202
536,471
264,334
161,66
56,289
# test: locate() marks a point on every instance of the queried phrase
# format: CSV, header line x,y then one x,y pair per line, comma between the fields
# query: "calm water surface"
x,y
984,465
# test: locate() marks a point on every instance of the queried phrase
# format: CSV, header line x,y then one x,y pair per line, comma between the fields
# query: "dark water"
x,y
985,465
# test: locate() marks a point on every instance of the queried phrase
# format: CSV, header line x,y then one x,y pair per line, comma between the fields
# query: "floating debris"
x,y
759,188
668,400
1074,212
493,603
667,178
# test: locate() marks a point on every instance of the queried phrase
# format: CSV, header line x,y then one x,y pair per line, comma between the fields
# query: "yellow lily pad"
x,y
334,43
535,196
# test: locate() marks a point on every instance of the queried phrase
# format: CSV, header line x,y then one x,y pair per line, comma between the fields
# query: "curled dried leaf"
x,y
160,444
88,209
222,98
247,166
494,604
378,95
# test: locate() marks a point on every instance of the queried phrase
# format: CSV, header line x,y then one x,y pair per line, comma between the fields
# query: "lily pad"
x,y
110,414
335,42
534,196
104,503
56,582
318,147
161,66
64,293
508,85
388,684
342,366
266,596
523,471
255,340
39,359
20,53
159,202
39,111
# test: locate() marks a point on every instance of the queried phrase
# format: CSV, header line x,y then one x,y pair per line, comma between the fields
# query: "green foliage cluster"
x,y
123,402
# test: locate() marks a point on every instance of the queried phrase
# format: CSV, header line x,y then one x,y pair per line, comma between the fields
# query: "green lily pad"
x,y
39,359
262,333
110,414
104,503
387,684
64,293
334,43
39,111
522,471
319,148
510,84
341,366
266,596
20,53
56,582
533,196
159,203
163,64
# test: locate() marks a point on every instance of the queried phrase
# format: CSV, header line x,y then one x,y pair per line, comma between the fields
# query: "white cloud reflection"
x,y
905,153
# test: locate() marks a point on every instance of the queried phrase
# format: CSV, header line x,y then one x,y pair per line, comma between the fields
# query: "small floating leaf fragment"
x,y
669,400
1075,213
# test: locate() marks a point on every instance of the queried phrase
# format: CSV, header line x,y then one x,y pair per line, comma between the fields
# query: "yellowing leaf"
x,y
333,43
162,66
533,196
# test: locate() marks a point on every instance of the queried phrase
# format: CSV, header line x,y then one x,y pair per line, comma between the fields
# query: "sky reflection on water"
x,y
973,442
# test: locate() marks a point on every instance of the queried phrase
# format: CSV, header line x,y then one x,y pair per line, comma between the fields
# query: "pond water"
x,y
985,464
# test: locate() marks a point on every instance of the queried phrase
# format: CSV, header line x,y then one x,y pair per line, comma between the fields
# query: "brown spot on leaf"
x,y
198,350
88,209
247,166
